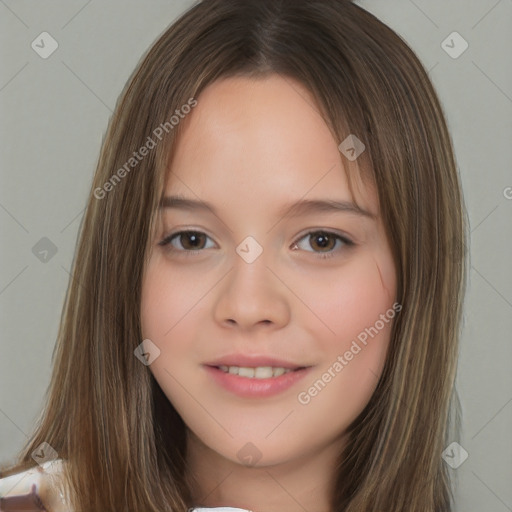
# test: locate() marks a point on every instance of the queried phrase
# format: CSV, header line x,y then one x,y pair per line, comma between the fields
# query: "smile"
x,y
259,372
256,381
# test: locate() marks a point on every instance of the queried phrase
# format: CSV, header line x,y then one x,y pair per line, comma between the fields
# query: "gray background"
x,y
54,113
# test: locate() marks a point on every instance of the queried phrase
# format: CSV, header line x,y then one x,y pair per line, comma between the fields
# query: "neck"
x,y
305,483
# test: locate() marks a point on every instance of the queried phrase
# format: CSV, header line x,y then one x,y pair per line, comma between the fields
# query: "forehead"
x,y
261,141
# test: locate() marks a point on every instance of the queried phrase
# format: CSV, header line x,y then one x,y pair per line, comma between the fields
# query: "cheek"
x,y
174,307
357,313
350,301
169,298
167,304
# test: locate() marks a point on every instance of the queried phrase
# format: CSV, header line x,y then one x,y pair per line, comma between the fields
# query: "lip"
x,y
255,388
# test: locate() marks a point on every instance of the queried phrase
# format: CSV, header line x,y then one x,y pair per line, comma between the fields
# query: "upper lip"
x,y
253,361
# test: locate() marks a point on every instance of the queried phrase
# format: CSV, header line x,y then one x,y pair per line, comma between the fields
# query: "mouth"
x,y
257,372
255,377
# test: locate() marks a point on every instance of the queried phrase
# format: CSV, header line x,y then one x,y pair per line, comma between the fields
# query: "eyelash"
x,y
346,241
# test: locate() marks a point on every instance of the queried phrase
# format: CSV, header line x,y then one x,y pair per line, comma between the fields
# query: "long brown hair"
x,y
105,414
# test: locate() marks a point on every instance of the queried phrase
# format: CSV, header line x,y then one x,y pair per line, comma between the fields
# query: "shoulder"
x,y
36,489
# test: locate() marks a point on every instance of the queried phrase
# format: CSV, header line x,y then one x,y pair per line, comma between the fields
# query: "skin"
x,y
250,147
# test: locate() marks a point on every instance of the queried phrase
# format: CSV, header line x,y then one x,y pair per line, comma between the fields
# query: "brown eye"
x,y
186,241
322,241
323,244
191,240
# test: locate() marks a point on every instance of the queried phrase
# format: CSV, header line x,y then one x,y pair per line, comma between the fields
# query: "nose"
x,y
251,297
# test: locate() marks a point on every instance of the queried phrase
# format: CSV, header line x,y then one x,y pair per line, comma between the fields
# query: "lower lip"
x,y
255,388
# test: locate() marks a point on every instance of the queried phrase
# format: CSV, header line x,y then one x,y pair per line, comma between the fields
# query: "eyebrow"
x,y
301,207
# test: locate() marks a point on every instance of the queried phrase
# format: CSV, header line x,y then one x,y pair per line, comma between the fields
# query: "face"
x,y
272,324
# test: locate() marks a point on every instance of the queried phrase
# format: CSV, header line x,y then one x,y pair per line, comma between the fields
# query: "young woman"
x,y
267,290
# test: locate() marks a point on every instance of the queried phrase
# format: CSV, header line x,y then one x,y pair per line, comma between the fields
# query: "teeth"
x,y
263,372
260,372
278,371
246,372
